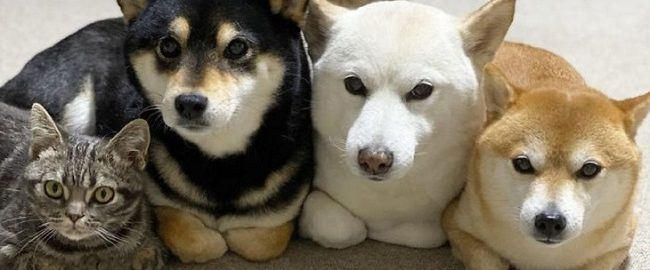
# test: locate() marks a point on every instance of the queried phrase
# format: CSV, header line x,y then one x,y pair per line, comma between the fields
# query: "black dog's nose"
x,y
191,106
550,225
375,160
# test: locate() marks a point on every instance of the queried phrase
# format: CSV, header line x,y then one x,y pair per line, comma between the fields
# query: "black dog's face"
x,y
210,64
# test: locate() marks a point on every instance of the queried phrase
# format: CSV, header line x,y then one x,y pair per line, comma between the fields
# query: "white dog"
x,y
396,107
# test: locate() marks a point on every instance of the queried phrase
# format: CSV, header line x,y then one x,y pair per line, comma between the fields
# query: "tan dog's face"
x,y
560,162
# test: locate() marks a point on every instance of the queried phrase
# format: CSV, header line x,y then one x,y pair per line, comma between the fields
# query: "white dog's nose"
x,y
375,160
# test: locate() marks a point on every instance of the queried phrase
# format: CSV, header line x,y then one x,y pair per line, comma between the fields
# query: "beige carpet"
x,y
607,41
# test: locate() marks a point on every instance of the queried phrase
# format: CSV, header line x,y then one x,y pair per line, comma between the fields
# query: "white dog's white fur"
x,y
392,47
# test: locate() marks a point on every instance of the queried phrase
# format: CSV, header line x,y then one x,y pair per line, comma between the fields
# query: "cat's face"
x,y
86,188
79,194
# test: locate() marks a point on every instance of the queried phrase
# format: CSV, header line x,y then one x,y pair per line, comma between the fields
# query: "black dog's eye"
x,y
589,170
355,86
420,91
237,48
169,48
522,165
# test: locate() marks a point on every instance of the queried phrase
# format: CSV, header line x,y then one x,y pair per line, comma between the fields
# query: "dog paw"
x,y
188,238
260,244
329,224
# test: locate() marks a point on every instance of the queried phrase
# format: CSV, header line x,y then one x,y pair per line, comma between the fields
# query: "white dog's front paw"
x,y
417,235
330,224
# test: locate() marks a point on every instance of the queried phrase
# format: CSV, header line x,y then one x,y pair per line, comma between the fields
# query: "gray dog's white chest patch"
x,y
79,114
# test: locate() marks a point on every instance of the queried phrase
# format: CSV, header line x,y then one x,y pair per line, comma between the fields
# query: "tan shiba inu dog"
x,y
554,175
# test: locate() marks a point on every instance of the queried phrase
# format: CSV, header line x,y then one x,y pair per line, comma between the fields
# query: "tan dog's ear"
x,y
131,8
320,19
294,10
484,30
497,91
636,109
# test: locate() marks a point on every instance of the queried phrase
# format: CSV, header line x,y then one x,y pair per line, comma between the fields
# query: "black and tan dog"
x,y
224,85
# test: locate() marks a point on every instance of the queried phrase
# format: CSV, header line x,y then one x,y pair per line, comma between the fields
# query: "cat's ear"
x,y
132,8
130,145
45,135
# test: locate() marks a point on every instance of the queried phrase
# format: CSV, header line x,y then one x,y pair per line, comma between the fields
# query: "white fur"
x,y
391,46
79,114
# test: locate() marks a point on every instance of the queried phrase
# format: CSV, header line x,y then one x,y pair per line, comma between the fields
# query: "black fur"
x,y
53,78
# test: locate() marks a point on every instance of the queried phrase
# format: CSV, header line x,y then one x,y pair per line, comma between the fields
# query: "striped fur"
x,y
38,234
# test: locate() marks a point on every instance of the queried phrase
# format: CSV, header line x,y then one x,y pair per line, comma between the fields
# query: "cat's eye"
x,y
589,170
523,165
420,91
355,86
169,48
236,49
53,189
104,195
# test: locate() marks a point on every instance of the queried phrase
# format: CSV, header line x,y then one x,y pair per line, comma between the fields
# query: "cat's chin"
x,y
75,235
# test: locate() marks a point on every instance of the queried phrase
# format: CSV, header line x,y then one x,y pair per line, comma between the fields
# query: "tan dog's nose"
x,y
375,160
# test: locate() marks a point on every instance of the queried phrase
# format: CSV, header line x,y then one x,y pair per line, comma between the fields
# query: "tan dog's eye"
x,y
169,48
522,165
589,170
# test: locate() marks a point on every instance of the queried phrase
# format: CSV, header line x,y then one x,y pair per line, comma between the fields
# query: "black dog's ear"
x,y
132,8
291,9
320,18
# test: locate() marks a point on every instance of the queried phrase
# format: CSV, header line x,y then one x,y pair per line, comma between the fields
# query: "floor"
x,y
608,42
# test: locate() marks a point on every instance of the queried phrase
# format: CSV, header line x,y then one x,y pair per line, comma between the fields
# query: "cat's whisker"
x,y
36,236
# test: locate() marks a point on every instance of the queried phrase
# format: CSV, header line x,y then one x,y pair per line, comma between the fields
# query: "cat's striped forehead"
x,y
80,168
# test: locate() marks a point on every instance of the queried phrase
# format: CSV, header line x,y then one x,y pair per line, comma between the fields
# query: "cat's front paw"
x,y
149,258
7,254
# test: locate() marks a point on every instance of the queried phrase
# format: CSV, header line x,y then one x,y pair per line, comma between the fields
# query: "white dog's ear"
x,y
294,10
132,8
636,109
320,18
497,91
483,31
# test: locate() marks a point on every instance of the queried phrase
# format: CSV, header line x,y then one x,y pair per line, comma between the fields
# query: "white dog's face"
x,y
556,168
393,74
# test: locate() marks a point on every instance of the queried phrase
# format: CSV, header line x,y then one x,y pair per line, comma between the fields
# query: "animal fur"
x,y
541,108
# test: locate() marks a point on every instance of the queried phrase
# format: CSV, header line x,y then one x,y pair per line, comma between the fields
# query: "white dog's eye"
x,y
589,170
420,91
355,86
522,165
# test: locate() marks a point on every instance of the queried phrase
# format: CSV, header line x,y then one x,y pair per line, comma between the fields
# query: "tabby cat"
x,y
71,201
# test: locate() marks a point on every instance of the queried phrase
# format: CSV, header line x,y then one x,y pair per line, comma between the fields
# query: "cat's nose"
x,y
74,217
